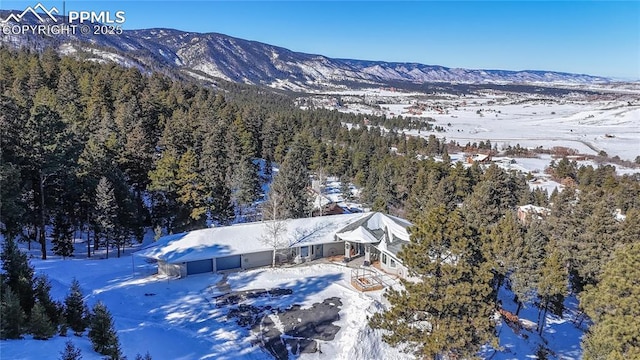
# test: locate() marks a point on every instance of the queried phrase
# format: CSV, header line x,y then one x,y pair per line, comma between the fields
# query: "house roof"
x,y
358,235
390,231
395,245
246,238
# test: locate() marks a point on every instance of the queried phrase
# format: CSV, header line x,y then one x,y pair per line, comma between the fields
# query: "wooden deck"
x,y
366,280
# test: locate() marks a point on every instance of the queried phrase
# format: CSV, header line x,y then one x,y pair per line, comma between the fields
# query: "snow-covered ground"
x,y
332,193
586,123
179,318
588,128
561,335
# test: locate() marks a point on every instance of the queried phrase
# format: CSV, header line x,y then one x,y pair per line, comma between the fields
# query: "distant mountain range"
x,y
211,55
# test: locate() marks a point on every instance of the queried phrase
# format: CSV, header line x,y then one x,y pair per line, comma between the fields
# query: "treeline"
x,y
111,151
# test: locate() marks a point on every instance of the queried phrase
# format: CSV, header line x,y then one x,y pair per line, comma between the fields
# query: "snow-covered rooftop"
x,y
246,238
359,235
252,237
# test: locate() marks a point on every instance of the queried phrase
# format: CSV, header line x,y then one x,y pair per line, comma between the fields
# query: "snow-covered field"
x,y
179,318
588,128
586,123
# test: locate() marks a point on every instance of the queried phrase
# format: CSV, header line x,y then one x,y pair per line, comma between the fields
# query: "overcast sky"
x,y
597,38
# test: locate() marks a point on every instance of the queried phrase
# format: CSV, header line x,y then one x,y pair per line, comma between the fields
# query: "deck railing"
x,y
366,280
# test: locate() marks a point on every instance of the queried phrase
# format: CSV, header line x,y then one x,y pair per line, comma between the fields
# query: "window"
x,y
393,263
304,251
384,258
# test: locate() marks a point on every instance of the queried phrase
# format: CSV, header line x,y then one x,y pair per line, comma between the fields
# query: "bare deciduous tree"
x,y
275,225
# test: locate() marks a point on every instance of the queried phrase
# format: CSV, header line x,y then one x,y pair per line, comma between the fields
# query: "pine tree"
x,y
220,202
345,189
191,191
106,210
245,184
40,324
75,310
12,206
385,198
482,207
598,237
18,274
552,286
447,312
69,105
45,149
11,313
213,162
418,201
137,161
528,262
630,228
565,227
53,309
491,198
62,242
146,356
70,352
613,306
292,182
443,193
505,244
163,190
102,332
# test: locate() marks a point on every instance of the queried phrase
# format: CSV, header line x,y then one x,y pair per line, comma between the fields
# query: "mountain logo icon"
x,y
49,13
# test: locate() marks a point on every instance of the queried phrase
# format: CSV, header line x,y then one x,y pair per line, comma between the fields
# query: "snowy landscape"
x,y
226,198
587,123
193,318
181,319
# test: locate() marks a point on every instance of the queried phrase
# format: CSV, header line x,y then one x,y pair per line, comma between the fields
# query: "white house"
x,y
376,236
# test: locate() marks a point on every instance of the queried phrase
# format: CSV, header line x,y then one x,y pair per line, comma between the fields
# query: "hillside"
x,y
213,55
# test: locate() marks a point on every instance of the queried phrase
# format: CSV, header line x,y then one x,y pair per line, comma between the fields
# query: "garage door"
x,y
228,262
199,267
257,259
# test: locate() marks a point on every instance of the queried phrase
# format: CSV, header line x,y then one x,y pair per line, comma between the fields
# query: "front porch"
x,y
365,253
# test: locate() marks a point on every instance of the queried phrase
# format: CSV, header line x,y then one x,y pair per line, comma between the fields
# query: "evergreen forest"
x,y
111,152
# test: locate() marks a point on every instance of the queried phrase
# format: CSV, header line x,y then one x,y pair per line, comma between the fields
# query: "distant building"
x,y
330,209
479,158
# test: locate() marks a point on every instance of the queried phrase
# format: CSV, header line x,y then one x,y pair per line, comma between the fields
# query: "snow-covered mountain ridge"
x,y
244,61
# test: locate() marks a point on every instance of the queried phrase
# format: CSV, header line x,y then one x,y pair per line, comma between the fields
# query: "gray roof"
x,y
356,224
396,245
